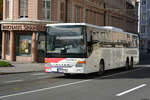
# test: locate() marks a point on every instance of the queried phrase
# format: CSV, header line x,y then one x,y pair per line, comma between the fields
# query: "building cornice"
x,y
27,21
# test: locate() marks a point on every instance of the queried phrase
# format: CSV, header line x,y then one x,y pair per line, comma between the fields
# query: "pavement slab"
x,y
22,67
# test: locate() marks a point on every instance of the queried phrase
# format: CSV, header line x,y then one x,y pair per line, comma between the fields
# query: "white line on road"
x,y
13,81
39,90
130,90
36,74
49,88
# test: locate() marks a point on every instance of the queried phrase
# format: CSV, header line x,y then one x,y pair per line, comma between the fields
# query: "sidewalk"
x,y
22,67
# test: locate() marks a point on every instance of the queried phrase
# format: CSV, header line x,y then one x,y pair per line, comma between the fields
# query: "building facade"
x,y
23,25
1,17
122,14
144,25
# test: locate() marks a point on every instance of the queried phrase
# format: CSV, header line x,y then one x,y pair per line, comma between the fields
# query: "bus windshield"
x,y
65,40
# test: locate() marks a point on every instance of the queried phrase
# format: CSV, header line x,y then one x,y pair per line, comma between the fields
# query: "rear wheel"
x,y
127,64
101,67
131,63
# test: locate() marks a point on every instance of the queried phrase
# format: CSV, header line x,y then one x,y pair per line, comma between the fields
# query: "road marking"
x,y
39,90
49,88
36,74
130,90
13,81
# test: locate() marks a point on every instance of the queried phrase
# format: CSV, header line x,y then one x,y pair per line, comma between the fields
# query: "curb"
x,y
6,73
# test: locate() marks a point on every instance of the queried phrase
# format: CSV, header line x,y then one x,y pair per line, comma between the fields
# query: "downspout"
x,y
66,17
104,14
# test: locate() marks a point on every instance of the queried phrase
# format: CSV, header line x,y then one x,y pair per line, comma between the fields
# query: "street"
x,y
118,84
69,38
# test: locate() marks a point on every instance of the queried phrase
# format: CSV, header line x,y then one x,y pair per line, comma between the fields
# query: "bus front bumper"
x,y
65,70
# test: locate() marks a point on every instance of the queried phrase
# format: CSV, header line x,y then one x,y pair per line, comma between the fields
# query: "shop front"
x,y
23,42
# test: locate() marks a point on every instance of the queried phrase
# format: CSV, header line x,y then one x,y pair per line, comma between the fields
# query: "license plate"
x,y
54,69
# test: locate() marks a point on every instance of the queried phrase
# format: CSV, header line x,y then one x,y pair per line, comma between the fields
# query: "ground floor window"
x,y
41,45
23,44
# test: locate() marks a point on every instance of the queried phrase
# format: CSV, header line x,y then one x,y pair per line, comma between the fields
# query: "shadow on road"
x,y
115,74
121,73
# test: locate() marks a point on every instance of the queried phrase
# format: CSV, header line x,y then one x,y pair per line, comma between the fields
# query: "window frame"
x,y
47,9
7,8
23,11
77,14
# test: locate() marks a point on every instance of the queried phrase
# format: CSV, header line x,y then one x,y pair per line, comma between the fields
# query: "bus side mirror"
x,y
89,40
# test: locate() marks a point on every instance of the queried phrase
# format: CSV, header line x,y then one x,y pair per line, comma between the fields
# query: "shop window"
x,y
23,8
41,45
24,43
47,9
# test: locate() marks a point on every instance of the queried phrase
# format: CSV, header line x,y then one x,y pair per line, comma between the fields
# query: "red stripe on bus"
x,y
53,60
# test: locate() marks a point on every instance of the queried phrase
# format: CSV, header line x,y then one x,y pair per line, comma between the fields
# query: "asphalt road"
x,y
117,84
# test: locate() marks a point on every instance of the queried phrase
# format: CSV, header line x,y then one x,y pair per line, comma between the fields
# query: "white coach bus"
x,y
80,48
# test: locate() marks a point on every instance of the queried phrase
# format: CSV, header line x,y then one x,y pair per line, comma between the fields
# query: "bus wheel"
x,y
101,67
131,63
127,64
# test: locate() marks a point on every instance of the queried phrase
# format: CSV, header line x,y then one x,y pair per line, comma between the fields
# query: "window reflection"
x,y
65,40
24,45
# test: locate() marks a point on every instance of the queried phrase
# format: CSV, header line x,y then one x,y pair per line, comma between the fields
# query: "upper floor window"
x,y
77,14
143,17
47,9
7,9
94,18
143,2
62,11
23,8
86,17
143,29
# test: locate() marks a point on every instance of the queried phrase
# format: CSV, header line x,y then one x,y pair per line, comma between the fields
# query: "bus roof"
x,y
111,28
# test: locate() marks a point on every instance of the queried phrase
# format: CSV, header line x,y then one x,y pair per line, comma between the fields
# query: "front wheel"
x,y
127,64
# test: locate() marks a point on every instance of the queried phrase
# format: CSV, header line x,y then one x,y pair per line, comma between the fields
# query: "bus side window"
x,y
137,42
89,43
